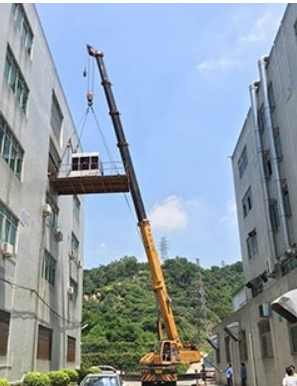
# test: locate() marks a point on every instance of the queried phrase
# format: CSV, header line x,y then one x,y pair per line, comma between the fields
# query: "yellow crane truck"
x,y
158,366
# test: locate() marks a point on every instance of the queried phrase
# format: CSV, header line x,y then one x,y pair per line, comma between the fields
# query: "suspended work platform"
x,y
90,184
86,174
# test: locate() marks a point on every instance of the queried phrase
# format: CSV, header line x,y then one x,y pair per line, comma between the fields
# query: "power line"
x,y
14,285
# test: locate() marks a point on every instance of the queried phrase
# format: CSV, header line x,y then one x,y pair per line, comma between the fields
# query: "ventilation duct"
x,y
233,330
286,306
214,341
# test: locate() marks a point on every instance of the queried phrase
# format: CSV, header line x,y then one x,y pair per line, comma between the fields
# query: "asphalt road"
x,y
182,383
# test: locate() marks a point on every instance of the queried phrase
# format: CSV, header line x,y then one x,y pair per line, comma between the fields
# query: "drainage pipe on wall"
x,y
274,161
253,97
252,352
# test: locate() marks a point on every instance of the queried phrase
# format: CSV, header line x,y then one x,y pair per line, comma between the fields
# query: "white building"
x,y
262,332
41,233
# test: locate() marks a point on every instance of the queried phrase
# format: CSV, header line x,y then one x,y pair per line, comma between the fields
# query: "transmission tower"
x,y
164,247
201,309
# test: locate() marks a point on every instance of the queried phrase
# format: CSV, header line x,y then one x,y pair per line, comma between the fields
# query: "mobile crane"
x,y
158,366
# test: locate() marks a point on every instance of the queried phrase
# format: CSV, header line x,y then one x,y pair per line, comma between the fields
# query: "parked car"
x,y
108,377
107,368
101,379
209,372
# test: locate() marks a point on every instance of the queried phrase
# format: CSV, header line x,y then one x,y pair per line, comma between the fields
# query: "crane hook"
x,y
90,96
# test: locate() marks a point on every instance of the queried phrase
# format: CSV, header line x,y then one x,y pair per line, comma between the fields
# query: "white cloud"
x,y
249,28
222,63
102,247
169,215
261,27
229,215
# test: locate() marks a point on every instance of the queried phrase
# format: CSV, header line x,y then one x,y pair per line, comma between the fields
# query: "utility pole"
x,y
164,246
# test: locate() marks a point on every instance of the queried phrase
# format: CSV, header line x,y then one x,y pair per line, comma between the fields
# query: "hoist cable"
x,y
83,119
87,74
83,127
90,88
92,73
114,165
104,141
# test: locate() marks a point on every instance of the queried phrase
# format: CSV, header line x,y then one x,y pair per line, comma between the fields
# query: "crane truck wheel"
x,y
169,383
146,383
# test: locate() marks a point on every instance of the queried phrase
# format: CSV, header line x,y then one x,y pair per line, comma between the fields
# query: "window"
x,y
23,26
274,216
49,269
44,345
271,97
227,348
252,243
295,28
267,163
56,117
10,148
76,207
286,198
278,144
243,162
53,160
53,218
16,80
247,202
261,118
243,354
265,339
8,226
74,246
293,340
74,285
4,332
70,349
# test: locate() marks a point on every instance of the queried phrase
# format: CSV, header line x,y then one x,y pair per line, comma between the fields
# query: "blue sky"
x,y
180,75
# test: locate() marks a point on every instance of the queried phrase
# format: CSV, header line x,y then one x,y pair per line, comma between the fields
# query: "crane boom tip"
x,y
93,52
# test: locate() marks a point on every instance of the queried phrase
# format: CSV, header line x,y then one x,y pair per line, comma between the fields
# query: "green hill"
x,y
120,309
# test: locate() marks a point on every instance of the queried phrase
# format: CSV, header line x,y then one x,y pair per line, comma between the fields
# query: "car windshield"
x,y
101,381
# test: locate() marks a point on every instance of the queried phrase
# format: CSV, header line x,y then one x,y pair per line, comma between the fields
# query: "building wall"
x,y
261,371
25,290
270,173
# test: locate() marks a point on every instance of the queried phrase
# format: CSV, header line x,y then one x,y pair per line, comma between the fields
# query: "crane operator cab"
x,y
167,351
86,164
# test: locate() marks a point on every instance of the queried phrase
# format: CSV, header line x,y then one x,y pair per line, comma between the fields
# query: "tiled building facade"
x,y
41,233
262,332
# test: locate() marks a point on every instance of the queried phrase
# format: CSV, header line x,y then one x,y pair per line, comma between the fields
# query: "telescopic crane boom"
x,y
168,351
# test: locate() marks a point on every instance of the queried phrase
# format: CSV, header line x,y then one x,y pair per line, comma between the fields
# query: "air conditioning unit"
x,y
47,210
59,235
7,249
70,290
72,254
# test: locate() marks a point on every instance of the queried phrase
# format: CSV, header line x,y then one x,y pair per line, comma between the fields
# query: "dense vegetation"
x,y
120,311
